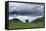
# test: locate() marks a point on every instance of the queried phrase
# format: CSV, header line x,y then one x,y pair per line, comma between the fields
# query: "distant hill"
x,y
16,20
34,21
38,20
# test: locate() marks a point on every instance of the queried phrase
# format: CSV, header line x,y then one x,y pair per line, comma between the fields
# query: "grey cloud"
x,y
26,9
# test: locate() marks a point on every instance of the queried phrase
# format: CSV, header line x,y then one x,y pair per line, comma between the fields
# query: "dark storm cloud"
x,y
26,9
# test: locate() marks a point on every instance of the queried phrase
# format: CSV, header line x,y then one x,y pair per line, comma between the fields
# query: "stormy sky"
x,y
25,11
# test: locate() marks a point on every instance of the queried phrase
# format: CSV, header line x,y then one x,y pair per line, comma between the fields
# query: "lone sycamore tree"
x,y
27,21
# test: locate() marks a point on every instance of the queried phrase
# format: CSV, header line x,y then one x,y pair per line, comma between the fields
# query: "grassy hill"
x,y
38,20
15,20
16,23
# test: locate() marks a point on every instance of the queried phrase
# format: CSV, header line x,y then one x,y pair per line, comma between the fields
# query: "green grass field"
x,y
15,25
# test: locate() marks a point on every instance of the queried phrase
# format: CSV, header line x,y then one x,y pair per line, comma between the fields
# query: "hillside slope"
x,y
38,20
15,20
